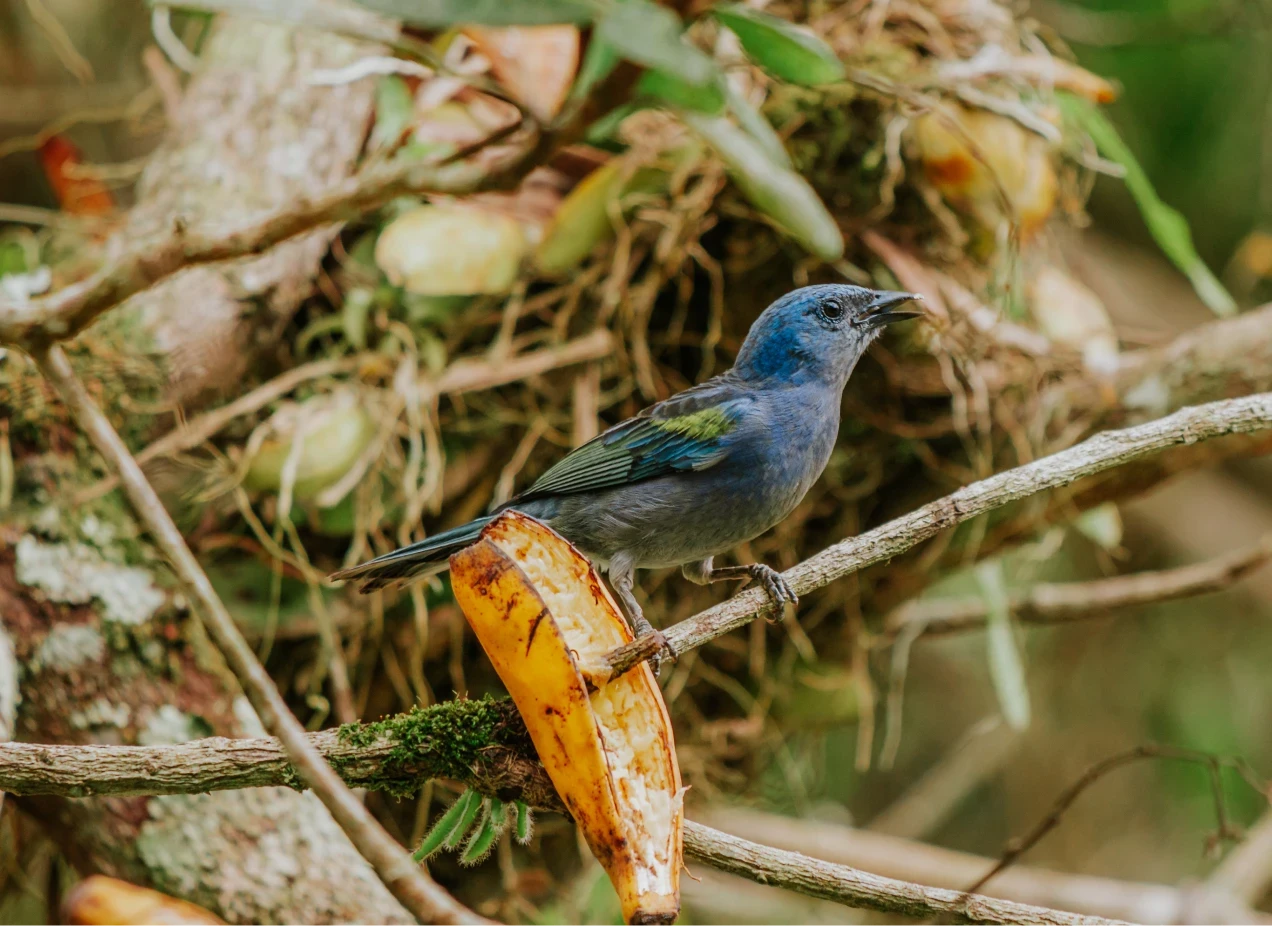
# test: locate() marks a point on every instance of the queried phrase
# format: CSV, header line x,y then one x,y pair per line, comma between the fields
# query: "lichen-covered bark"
x,y
107,653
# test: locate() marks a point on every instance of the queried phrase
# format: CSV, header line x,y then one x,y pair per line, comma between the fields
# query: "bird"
x,y
714,466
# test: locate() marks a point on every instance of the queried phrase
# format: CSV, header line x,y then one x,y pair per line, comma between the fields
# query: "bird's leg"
x,y
621,575
703,572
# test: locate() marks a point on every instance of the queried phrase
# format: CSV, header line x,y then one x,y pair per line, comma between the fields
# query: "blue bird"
x,y
703,471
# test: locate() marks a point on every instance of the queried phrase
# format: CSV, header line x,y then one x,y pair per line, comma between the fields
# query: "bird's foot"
x,y
641,627
777,587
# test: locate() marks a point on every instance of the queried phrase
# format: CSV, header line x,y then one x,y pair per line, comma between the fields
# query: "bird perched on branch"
x,y
703,471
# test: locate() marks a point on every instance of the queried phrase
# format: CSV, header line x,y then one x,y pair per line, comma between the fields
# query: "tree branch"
x,y
1062,602
405,880
143,260
374,755
1096,454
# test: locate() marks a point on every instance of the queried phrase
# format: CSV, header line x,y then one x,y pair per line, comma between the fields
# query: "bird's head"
x,y
818,333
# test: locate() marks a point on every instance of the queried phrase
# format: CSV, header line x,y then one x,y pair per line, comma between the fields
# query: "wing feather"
x,y
686,432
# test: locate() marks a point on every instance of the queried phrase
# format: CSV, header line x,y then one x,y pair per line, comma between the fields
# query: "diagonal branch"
x,y
405,880
1102,452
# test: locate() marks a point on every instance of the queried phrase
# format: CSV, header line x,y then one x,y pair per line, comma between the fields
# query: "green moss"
x,y
445,738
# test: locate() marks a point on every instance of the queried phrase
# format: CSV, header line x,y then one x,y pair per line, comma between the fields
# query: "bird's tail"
x,y
418,560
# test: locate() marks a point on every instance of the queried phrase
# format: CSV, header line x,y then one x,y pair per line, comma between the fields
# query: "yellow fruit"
x,y
451,250
546,621
976,159
101,900
335,429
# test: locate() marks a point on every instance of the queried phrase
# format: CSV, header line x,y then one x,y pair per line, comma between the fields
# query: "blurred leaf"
x,y
441,13
357,307
1006,668
653,37
759,128
394,106
12,258
1102,525
782,195
1168,227
780,47
667,88
598,61
583,219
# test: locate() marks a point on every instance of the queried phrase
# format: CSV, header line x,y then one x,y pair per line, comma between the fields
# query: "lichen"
x,y
101,713
75,573
169,725
67,647
260,855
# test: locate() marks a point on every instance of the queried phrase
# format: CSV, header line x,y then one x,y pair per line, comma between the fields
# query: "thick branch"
x,y
1097,454
407,882
366,757
1060,602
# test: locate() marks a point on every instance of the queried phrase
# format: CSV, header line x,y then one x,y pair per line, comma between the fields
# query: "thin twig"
x,y
1062,602
405,880
1101,452
1214,764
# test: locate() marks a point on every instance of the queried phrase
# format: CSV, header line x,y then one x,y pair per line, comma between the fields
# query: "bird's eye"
x,y
832,310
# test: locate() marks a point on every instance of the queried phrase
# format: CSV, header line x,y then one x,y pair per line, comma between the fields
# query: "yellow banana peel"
x,y
546,620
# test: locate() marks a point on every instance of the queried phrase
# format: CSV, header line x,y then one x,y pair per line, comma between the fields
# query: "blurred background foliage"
x,y
763,724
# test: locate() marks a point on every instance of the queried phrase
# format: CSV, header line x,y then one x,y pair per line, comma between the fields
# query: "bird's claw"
x,y
643,628
777,587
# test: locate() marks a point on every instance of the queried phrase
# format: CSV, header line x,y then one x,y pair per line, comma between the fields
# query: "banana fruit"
x,y
546,620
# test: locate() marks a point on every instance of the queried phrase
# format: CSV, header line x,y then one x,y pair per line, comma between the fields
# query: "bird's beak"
x,y
880,311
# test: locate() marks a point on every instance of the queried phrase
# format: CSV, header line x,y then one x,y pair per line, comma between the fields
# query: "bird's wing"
x,y
685,432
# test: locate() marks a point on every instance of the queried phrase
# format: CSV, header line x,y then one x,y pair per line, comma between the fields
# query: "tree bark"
x,y
108,653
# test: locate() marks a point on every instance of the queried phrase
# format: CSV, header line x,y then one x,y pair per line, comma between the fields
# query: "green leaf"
x,y
525,824
442,13
667,88
782,195
1168,227
483,839
653,37
471,809
758,128
445,826
782,48
1006,668
394,107
354,314
598,61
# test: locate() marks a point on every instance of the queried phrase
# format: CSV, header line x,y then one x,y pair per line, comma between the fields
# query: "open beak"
x,y
881,311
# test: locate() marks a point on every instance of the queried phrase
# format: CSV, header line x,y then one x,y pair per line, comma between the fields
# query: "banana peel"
x,y
545,621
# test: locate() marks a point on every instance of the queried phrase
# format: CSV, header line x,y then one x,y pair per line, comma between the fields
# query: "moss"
x,y
446,738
